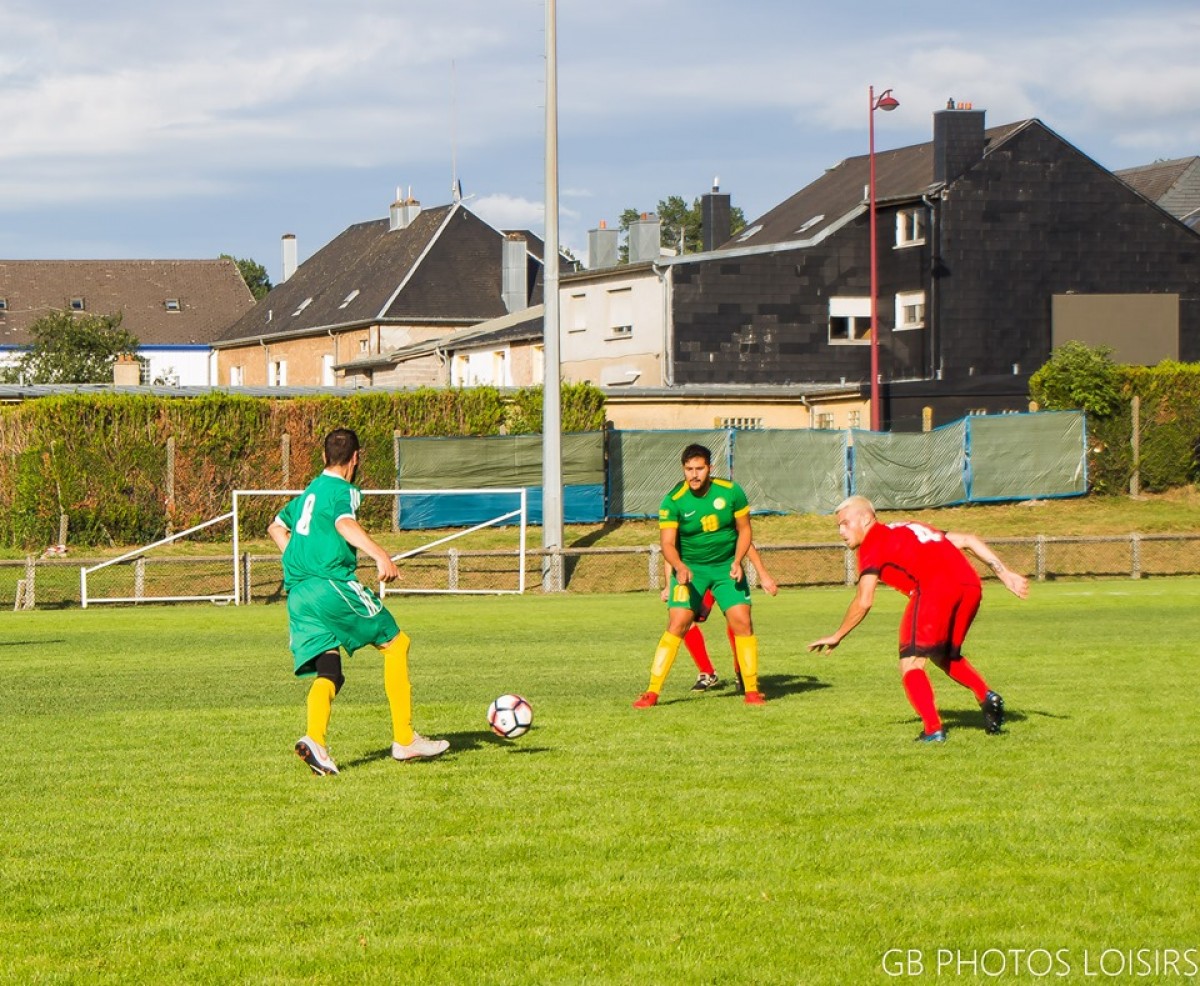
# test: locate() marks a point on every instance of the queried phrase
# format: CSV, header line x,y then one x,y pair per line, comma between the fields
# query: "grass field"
x,y
158,829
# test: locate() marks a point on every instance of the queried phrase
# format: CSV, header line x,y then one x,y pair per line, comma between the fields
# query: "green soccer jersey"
x,y
316,549
707,532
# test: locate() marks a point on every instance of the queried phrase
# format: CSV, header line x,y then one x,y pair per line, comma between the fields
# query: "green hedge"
x,y
1169,430
103,459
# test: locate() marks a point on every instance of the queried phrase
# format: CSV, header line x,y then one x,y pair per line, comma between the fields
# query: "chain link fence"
x,y
49,583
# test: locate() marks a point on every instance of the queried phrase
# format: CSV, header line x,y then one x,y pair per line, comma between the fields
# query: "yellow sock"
x,y
664,657
396,686
320,704
747,655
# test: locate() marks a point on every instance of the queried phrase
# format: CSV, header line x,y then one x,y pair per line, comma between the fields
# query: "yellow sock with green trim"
x,y
319,704
397,687
664,657
747,655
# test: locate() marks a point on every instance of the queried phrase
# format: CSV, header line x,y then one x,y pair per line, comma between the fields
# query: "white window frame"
x,y
277,373
237,376
538,365
620,313
328,375
910,227
910,310
578,310
858,312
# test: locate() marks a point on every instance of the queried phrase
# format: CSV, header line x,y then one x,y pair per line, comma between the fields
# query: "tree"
x,y
1080,377
68,347
677,219
254,274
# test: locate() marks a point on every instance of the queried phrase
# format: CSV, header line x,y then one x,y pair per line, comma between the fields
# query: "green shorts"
x,y
709,578
324,614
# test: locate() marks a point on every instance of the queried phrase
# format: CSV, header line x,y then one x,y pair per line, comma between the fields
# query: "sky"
x,y
149,130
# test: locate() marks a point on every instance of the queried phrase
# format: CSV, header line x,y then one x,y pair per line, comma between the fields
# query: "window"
x,y
538,369
77,305
349,298
910,227
578,321
500,376
620,313
362,345
277,373
910,310
854,419
172,305
3,304
460,370
328,379
824,420
237,376
742,424
810,223
850,320
303,305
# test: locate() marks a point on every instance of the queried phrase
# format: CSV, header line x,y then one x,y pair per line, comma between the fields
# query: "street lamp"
x,y
886,102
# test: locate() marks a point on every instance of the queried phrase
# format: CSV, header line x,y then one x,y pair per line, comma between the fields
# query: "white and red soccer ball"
x,y
510,716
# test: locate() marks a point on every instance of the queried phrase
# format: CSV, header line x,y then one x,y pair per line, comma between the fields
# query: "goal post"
x,y
495,570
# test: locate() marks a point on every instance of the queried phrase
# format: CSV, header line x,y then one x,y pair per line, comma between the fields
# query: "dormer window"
x,y
172,305
349,298
303,305
910,227
810,223
77,304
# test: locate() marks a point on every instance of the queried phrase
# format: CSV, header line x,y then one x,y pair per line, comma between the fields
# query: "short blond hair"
x,y
857,504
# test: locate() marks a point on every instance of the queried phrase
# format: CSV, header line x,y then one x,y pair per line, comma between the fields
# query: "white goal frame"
x,y
521,513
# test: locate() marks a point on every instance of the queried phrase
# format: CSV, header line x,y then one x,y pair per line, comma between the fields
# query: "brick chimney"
x,y
958,141
715,218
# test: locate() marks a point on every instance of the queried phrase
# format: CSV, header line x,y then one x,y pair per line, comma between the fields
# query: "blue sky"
x,y
163,131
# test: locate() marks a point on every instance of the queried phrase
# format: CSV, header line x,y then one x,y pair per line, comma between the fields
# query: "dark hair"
x,y
340,445
696,452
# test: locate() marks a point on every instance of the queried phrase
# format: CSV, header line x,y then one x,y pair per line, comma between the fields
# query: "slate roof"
x,y
211,296
521,326
840,194
444,267
1173,185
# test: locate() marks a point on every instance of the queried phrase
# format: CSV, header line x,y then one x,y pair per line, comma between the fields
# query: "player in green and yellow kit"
x,y
329,609
704,528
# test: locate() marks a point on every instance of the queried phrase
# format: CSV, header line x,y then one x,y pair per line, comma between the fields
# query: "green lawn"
x,y
158,829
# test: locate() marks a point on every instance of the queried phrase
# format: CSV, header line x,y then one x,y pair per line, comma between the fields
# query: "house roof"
x,y
1173,185
840,194
211,295
443,268
519,326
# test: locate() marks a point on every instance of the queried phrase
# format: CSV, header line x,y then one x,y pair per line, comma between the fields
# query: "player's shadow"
x,y
968,719
463,742
777,685
29,643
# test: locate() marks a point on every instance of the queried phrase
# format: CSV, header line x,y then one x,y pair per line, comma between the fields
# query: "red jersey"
x,y
909,556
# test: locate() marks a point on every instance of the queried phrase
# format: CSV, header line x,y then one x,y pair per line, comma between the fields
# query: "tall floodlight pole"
x,y
886,102
552,503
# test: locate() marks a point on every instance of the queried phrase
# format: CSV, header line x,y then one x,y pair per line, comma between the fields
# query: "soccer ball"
x,y
510,716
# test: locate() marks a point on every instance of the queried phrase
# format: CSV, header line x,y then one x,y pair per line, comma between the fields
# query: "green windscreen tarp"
x,y
644,465
495,460
793,471
909,471
1022,456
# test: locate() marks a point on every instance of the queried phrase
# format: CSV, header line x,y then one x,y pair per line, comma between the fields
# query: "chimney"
x,y
289,255
645,239
715,218
127,371
514,273
958,141
602,247
403,212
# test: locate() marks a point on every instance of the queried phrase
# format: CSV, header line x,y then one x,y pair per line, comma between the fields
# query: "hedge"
x,y
128,469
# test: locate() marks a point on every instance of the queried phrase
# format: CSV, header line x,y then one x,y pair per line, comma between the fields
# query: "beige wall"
x,y
593,309
645,413
305,358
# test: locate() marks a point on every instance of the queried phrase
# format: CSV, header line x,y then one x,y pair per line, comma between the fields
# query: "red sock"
x,y
920,697
737,668
693,640
960,670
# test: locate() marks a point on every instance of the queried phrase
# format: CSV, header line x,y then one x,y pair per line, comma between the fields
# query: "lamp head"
x,y
886,101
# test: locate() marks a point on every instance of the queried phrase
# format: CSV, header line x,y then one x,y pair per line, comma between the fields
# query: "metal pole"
x,y
876,416
552,505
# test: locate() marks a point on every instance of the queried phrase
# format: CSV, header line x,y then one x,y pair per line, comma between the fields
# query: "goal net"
x,y
229,559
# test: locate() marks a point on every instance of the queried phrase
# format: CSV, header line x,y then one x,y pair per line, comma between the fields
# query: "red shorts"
x,y
937,619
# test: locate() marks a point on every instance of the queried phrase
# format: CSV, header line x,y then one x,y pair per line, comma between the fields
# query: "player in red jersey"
x,y
693,640
943,591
